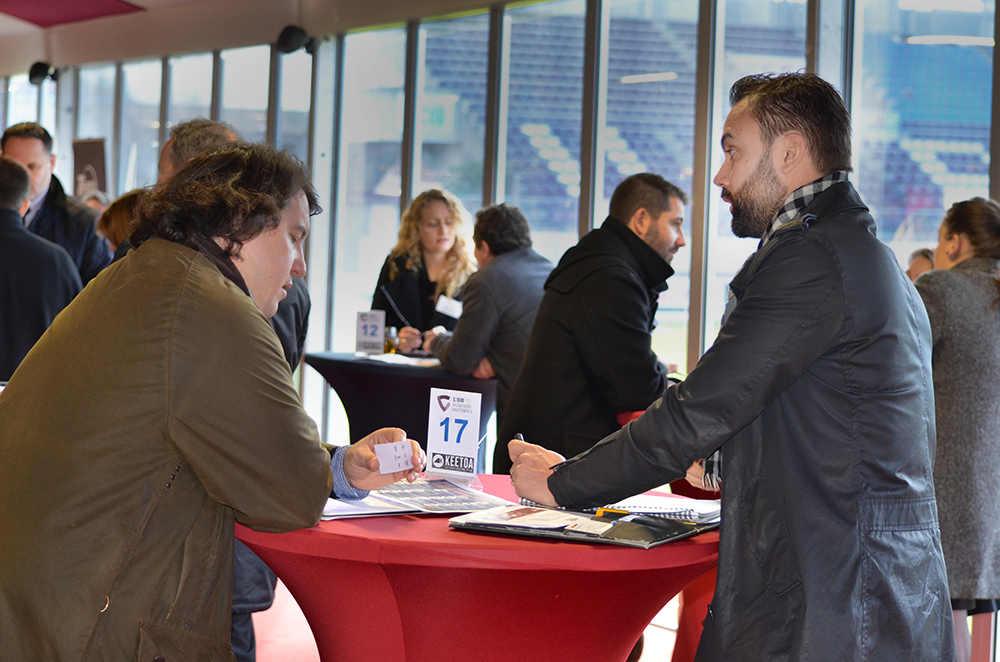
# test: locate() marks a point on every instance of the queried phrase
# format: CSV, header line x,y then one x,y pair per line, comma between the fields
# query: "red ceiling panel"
x,y
55,12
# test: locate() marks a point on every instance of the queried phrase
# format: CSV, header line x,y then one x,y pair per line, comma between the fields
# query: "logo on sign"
x,y
443,402
453,462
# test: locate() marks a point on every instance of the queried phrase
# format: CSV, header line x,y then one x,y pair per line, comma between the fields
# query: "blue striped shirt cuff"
x,y
342,489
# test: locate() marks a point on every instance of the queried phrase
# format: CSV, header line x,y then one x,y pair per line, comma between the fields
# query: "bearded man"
x,y
818,389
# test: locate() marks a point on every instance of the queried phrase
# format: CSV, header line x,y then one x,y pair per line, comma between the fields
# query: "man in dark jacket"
x,y
499,303
37,278
54,215
590,357
818,389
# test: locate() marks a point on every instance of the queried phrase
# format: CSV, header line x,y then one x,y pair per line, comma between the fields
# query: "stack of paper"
x,y
422,496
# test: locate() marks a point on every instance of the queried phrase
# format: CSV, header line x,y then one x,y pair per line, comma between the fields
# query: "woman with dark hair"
x,y
431,259
962,297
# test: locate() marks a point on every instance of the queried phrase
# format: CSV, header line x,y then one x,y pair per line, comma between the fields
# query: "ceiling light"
x,y
972,6
950,40
649,78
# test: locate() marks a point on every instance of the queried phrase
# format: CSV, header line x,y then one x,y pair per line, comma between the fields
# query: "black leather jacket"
x,y
819,385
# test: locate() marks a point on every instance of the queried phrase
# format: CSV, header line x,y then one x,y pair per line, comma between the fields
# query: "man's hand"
x,y
671,366
530,473
409,339
431,334
361,463
484,370
696,475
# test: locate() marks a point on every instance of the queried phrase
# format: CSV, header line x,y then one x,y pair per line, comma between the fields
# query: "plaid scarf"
x,y
789,212
797,201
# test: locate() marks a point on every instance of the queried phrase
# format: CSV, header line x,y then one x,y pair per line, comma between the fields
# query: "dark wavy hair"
x,y
503,228
233,193
804,103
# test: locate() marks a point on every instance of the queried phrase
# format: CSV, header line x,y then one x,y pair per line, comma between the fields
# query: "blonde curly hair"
x,y
459,263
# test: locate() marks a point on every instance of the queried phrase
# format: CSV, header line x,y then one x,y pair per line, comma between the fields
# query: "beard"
x,y
757,201
658,243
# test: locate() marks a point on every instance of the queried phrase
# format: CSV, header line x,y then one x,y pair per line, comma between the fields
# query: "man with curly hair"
x,y
144,424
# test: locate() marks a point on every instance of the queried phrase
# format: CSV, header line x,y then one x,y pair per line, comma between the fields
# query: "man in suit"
x,y
37,278
590,356
53,214
499,303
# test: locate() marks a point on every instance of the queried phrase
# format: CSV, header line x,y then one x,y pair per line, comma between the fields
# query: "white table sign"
x,y
371,332
453,433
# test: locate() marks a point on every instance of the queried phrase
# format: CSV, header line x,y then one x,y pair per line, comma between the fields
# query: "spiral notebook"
x,y
667,506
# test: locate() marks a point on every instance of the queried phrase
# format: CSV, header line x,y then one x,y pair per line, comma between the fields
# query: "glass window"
x,y
544,114
369,187
190,88
760,37
921,113
96,118
451,111
140,138
245,76
22,99
649,127
295,96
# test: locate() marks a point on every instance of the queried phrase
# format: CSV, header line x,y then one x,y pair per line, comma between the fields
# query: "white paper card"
x,y
453,432
449,307
397,456
371,332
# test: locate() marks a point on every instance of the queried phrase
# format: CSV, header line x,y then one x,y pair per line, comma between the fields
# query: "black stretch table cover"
x,y
378,395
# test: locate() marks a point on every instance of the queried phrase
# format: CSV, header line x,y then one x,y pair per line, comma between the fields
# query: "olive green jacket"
x,y
143,423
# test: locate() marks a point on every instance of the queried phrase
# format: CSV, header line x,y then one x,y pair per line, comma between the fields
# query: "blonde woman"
x,y
427,267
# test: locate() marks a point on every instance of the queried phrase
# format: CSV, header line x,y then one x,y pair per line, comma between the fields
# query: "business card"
x,y
397,456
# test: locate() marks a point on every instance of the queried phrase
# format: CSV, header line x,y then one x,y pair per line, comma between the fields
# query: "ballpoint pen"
x,y
395,308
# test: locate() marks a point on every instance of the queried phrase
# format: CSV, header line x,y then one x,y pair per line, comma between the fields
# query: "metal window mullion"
x,y
708,56
338,126
812,36
408,146
273,128
595,46
994,124
166,75
495,150
5,81
847,67
76,102
38,102
116,131
311,127
216,108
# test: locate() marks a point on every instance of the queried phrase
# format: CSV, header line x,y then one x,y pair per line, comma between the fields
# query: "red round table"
x,y
410,589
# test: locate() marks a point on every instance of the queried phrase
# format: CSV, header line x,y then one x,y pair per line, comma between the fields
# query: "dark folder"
x,y
642,531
